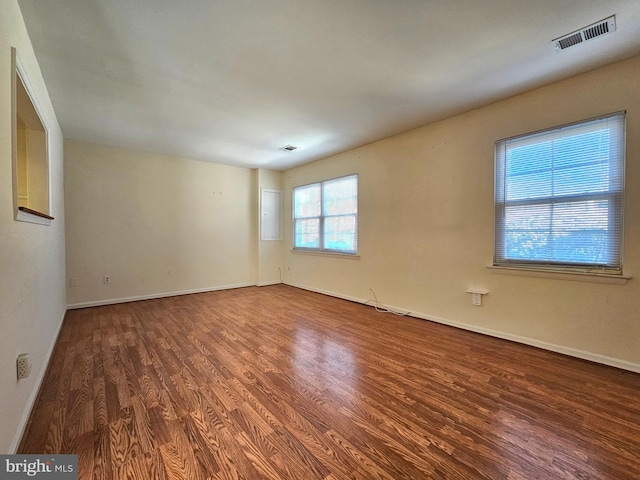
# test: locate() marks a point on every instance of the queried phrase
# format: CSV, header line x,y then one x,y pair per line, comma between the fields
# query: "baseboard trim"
x,y
24,421
326,292
266,284
572,352
113,301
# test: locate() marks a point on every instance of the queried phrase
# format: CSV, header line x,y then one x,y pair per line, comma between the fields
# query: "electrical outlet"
x,y
106,279
23,365
476,299
476,296
73,281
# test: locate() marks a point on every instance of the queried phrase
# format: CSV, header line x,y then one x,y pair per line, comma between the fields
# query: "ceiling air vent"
x,y
608,25
288,148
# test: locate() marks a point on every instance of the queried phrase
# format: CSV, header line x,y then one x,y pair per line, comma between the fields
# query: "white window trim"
x,y
561,271
19,70
561,274
23,216
326,253
323,251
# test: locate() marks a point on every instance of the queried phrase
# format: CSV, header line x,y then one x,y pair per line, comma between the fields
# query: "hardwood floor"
x,y
281,383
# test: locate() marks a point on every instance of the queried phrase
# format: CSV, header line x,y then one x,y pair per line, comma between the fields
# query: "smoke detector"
x,y
603,27
288,148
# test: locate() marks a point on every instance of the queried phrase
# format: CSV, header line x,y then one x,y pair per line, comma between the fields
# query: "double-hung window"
x,y
559,197
325,216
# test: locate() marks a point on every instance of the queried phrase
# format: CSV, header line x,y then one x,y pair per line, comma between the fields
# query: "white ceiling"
x,y
231,81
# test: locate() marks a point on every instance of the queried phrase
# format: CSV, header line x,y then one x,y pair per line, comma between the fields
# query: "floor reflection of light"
x,y
324,362
518,437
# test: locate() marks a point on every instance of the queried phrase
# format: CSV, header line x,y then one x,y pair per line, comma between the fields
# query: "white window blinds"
x,y
559,196
325,215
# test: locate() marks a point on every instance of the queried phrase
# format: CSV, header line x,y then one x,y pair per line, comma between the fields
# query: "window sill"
x,y
31,216
352,256
559,274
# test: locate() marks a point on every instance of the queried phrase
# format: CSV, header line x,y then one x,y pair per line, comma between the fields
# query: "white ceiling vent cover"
x,y
603,27
288,148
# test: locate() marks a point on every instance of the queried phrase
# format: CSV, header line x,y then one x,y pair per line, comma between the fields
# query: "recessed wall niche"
x,y
30,152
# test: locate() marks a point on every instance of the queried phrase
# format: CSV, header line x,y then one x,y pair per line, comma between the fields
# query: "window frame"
x,y
321,249
614,198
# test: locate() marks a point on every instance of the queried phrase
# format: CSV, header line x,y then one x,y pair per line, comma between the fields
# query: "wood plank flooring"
x,y
281,383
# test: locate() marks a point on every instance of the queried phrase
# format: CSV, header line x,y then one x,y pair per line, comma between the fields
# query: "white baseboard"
x,y
113,301
266,284
36,390
572,352
326,292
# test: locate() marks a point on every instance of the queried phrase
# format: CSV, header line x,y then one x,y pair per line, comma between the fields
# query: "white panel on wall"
x,y
270,215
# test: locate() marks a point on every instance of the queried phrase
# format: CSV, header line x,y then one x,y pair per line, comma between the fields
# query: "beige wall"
x,y
269,251
426,225
155,224
32,293
37,171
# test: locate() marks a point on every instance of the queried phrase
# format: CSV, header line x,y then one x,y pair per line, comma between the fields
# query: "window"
x,y
325,216
30,153
559,197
